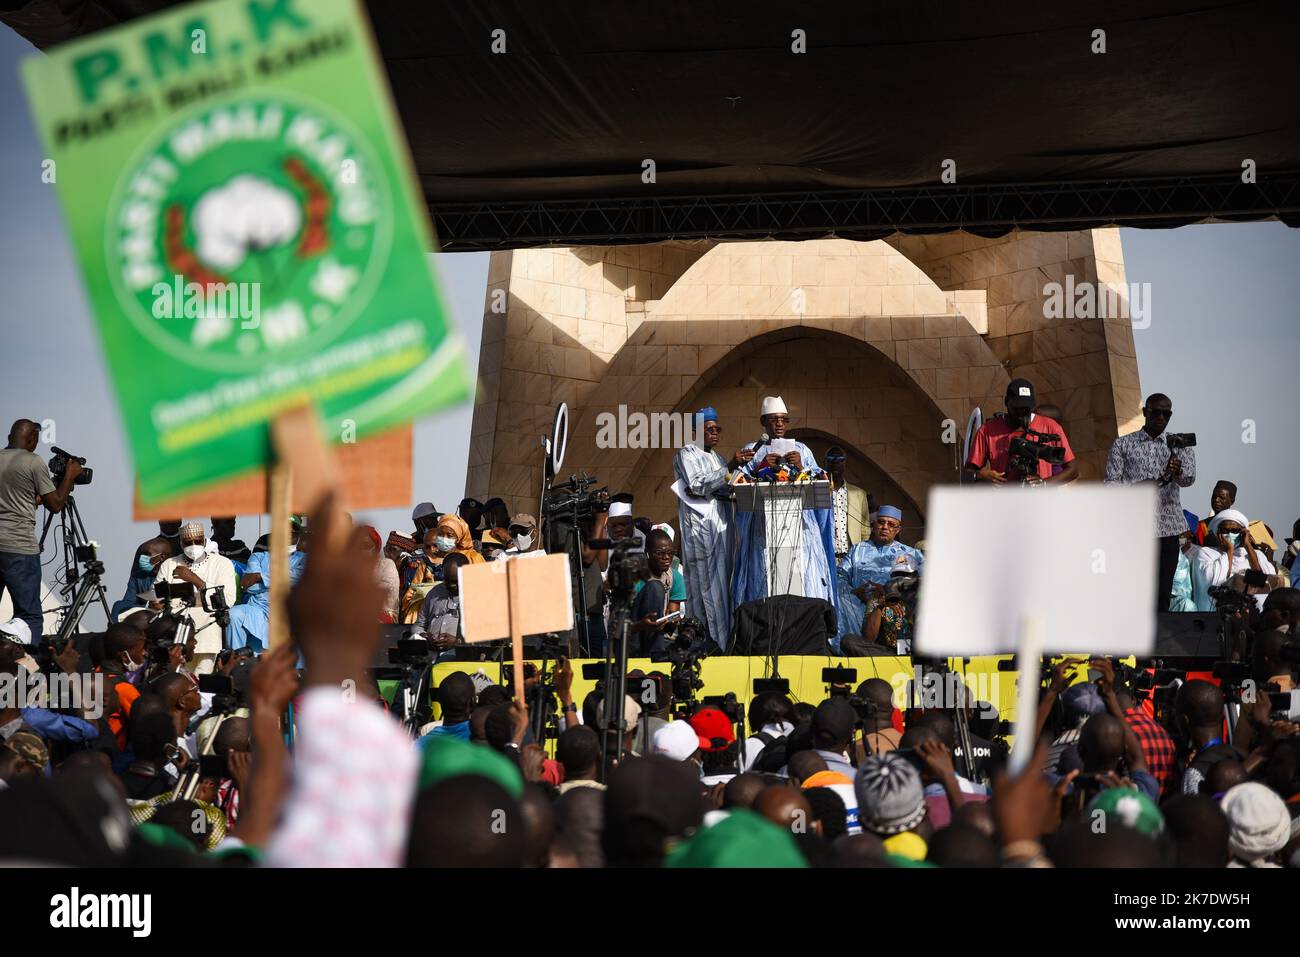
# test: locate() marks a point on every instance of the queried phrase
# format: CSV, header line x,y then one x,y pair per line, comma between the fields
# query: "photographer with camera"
x,y
144,570
205,573
24,483
1229,550
865,571
1021,446
890,614
1170,462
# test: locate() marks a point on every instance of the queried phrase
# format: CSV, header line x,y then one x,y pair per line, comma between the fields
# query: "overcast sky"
x,y
1222,343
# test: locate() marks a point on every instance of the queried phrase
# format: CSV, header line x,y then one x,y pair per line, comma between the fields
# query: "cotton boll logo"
x,y
247,214
236,235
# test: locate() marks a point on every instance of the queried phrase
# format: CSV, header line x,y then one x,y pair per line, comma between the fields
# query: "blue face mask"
x,y
1235,538
145,564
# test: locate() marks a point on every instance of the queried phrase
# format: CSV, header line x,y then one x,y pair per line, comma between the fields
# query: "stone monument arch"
x,y
885,346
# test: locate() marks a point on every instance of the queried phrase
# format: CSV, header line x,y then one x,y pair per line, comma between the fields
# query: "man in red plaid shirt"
x,y
1156,743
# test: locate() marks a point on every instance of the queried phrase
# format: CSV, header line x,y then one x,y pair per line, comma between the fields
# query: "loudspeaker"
x,y
784,625
1183,633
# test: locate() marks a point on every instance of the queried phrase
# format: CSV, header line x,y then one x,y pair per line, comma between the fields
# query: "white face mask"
x,y
524,542
195,552
444,543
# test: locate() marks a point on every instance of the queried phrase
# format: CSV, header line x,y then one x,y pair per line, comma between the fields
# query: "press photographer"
x,y
890,614
24,482
1170,462
207,574
1021,446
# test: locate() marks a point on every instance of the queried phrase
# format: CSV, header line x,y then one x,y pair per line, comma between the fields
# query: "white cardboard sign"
x,y
545,597
1079,560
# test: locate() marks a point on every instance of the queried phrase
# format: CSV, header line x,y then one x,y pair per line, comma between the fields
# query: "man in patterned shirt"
x,y
1141,457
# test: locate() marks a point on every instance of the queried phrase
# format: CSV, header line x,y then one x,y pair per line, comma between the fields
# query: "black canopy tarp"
x,y
546,142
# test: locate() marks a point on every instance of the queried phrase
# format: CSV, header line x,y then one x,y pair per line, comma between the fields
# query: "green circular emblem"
x,y
257,227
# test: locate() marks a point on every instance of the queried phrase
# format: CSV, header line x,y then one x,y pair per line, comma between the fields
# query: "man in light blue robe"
x,y
705,521
749,580
250,621
870,563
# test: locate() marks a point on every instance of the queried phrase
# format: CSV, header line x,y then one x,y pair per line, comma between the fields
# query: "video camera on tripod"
x,y
59,465
211,600
575,500
1227,600
627,566
79,588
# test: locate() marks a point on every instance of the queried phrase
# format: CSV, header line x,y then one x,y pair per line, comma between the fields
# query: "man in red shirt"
x,y
990,454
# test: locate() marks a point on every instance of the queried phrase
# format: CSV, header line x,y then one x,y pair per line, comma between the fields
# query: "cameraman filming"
x,y
1143,456
991,457
25,482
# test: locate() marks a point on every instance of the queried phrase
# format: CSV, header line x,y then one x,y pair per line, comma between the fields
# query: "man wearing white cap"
x,y
678,740
776,422
207,573
705,520
621,523
813,575
1228,550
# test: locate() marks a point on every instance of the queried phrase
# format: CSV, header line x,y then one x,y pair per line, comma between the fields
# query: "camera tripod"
x,y
956,705
615,729
84,589
541,714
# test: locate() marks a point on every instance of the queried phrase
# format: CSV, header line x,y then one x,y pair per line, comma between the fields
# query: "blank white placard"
x,y
1082,558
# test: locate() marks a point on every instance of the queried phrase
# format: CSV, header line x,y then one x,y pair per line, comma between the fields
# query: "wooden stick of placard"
x,y
515,604
279,477
304,471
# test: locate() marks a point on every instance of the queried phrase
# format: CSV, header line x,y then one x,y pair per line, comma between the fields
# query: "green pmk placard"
x,y
245,214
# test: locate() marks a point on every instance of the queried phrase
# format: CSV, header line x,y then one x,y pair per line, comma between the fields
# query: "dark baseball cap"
x,y
833,721
658,789
1021,395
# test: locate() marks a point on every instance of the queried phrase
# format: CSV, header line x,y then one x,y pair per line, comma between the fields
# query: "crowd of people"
x,y
192,751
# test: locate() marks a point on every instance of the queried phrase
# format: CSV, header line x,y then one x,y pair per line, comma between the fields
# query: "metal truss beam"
x,y
866,214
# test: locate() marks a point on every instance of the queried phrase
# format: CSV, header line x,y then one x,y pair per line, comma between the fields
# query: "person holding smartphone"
x,y
661,592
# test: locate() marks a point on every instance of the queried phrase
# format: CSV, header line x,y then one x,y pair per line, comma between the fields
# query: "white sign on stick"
x,y
1079,561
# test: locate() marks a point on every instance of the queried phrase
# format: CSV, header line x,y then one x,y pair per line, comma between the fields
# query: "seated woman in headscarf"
x,y
1228,550
370,544
450,535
